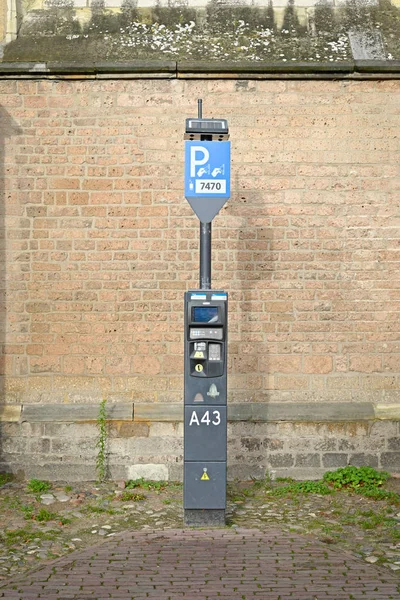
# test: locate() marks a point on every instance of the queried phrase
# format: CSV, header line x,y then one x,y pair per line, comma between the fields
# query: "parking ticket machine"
x,y
205,420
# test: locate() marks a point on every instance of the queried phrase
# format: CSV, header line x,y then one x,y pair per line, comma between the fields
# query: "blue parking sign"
x,y
207,169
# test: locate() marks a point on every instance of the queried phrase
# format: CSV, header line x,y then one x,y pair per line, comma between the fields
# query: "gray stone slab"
x,y
387,411
75,412
249,67
367,45
303,412
260,412
10,413
158,412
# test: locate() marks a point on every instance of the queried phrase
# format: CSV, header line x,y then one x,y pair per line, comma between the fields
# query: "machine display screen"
x,y
205,314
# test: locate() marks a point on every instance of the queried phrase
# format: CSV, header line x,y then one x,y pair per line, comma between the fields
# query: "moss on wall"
x,y
218,32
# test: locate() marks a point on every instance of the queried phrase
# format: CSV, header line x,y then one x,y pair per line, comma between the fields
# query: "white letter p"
x,y
197,162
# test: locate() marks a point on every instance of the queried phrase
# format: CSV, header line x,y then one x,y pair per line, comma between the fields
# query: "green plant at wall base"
x,y
302,487
146,485
5,478
354,478
101,445
37,486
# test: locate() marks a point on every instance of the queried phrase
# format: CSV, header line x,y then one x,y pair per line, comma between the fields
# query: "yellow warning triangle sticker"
x,y
204,477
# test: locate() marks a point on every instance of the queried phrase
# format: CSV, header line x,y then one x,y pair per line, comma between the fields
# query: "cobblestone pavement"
x,y
206,564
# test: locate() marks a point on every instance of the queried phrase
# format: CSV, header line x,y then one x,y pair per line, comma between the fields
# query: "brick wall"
x,y
3,19
100,243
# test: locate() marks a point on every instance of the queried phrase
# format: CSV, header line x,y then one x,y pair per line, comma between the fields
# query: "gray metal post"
x,y
205,256
205,235
207,187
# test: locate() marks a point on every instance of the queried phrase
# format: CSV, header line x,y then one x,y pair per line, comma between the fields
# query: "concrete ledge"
x,y
73,413
387,411
265,412
361,69
10,413
158,412
255,412
197,66
343,411
377,66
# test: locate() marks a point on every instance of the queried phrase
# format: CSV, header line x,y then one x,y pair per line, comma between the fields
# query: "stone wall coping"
x,y
358,69
10,413
268,412
257,412
73,413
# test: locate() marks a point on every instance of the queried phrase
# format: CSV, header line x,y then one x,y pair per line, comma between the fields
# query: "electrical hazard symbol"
x,y
204,477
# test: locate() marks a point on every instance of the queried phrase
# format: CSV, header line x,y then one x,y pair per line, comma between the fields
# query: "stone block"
x,y
251,444
81,447
245,472
393,444
32,429
363,460
61,471
158,412
346,444
301,473
10,413
308,460
128,430
39,446
317,364
175,471
325,445
273,443
71,431
280,460
154,472
391,462
387,411
334,460
9,430
383,429
163,430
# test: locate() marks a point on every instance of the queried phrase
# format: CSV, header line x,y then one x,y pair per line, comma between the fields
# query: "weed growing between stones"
x,y
45,515
302,487
146,485
23,535
5,478
37,486
97,509
101,445
364,481
128,496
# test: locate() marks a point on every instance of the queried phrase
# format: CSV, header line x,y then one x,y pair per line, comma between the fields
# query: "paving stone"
x,y
47,499
62,497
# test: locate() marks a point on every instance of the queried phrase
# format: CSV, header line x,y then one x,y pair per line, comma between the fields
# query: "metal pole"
x,y
205,256
205,236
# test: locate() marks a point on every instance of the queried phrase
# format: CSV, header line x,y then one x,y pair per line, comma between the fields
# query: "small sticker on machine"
x,y
198,296
218,297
